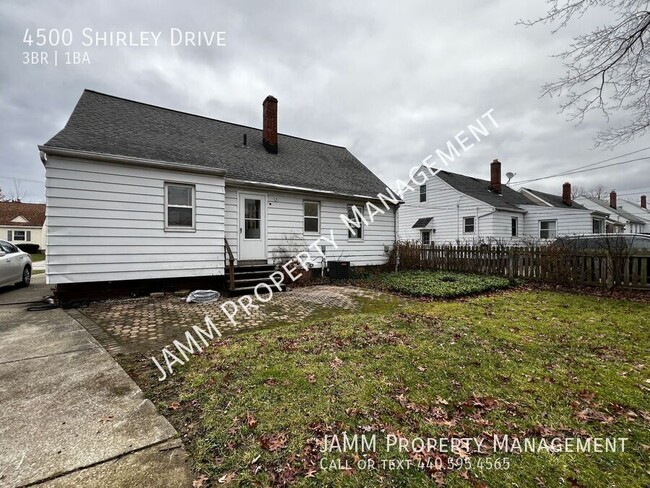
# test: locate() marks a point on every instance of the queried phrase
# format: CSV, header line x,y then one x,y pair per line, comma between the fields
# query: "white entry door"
x,y
252,226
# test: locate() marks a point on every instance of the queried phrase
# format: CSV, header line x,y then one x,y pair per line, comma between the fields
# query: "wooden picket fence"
x,y
544,264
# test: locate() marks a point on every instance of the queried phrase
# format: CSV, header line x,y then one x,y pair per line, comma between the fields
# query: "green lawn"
x,y
254,408
441,284
37,257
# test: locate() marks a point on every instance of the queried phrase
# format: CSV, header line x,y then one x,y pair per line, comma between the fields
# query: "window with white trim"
x,y
468,225
597,226
547,229
355,232
179,201
426,237
22,235
514,226
311,216
423,193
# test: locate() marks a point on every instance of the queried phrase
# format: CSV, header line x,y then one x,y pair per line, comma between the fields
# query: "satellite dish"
x,y
510,176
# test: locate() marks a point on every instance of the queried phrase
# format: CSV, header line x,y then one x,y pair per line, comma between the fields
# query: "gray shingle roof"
x,y
554,200
509,199
116,126
623,213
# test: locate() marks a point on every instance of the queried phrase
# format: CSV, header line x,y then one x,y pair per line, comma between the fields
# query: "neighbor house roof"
x,y
109,125
626,215
554,200
508,199
32,213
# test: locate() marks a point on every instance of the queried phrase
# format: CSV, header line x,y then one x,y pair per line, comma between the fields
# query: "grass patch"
x,y
254,408
441,284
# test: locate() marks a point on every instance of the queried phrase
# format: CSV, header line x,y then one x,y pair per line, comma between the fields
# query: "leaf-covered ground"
x,y
254,408
442,284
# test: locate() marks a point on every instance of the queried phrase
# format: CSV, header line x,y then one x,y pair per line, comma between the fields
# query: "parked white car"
x,y
15,265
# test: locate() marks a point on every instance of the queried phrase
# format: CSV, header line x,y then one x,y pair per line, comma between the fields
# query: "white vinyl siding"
x,y
447,206
106,222
569,221
285,228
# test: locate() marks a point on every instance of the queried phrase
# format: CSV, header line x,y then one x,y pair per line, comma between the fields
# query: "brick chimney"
x,y
612,199
643,202
270,124
566,194
495,176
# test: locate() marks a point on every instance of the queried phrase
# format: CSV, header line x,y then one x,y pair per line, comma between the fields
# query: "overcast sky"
x,y
392,82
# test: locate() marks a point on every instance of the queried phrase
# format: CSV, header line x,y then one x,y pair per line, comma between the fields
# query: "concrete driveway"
x,y
70,415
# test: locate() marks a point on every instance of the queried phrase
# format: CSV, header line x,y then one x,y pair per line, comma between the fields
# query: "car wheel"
x,y
27,277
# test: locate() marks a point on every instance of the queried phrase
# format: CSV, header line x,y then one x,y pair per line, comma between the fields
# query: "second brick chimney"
x,y
612,199
566,194
495,176
270,124
643,202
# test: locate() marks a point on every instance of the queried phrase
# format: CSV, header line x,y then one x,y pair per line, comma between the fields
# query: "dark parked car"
x,y
612,242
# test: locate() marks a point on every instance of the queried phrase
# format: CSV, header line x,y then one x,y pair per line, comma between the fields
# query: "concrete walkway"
x,y
69,414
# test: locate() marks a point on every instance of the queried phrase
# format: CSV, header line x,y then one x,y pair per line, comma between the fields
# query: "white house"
x,y
621,219
639,210
454,208
135,191
23,223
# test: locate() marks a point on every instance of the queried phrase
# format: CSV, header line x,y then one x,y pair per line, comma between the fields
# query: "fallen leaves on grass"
x,y
590,415
336,363
274,442
226,478
174,406
250,420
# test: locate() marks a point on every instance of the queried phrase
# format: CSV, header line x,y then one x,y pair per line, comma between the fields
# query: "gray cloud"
x,y
392,81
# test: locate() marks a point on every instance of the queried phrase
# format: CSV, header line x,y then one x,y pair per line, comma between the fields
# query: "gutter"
x,y
110,158
235,182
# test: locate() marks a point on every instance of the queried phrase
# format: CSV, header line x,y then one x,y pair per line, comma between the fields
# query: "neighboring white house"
x,y
23,223
621,219
136,191
639,210
451,208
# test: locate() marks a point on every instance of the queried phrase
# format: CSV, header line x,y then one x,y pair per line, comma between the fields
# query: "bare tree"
x,y
3,197
18,193
598,192
608,69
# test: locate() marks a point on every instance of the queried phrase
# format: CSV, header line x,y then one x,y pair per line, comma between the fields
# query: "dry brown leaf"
x,y
174,405
198,482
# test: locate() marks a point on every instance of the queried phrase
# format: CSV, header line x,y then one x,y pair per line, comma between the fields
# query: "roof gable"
x,y
619,211
106,124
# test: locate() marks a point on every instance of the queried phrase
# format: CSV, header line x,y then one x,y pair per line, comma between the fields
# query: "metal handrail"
x,y
231,266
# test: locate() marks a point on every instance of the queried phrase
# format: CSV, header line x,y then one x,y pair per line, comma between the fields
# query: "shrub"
x,y
28,248
444,284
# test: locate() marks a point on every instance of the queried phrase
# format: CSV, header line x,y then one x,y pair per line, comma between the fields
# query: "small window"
x,y
597,226
547,229
469,225
355,232
423,193
426,237
20,235
311,216
514,226
180,206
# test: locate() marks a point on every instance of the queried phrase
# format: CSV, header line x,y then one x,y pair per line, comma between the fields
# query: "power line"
x,y
576,171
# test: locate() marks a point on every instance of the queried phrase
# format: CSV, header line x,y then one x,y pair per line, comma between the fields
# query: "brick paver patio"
x,y
152,322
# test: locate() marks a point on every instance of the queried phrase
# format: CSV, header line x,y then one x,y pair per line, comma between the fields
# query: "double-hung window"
x,y
20,236
514,227
423,193
311,216
179,206
426,237
354,231
547,229
468,225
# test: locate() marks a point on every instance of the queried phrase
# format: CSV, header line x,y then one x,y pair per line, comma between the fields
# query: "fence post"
x,y
511,263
